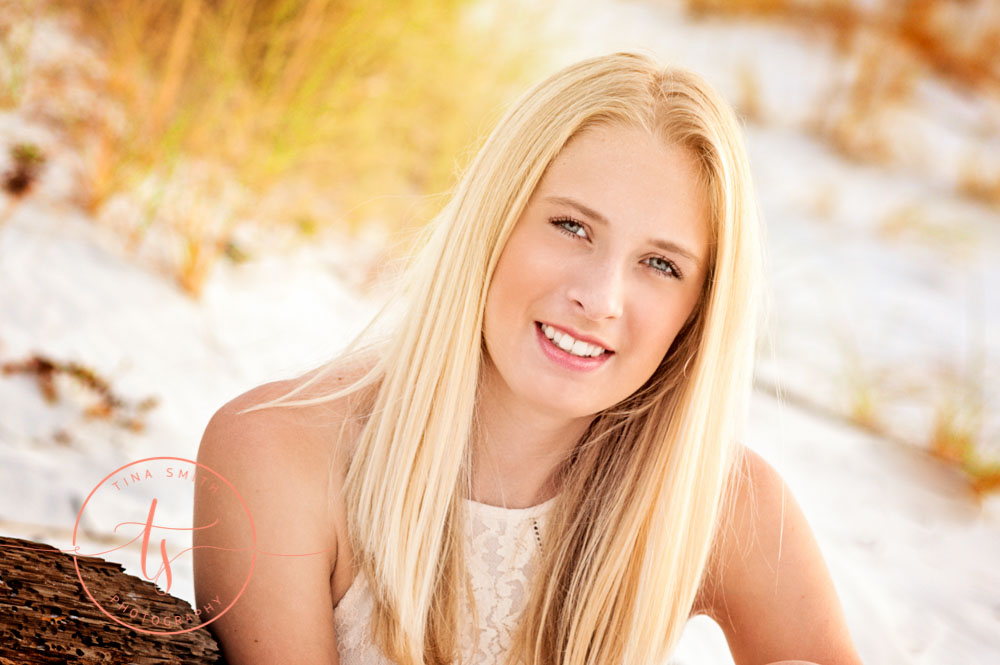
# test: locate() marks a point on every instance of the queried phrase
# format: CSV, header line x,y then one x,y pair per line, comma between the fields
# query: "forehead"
x,y
635,180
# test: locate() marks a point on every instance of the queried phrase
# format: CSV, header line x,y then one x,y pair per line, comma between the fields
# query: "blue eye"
x,y
570,227
664,267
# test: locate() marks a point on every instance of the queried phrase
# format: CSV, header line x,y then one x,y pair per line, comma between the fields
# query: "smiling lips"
x,y
571,344
569,352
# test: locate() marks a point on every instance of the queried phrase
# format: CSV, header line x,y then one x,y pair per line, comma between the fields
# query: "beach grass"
x,y
957,38
890,48
953,394
15,38
955,440
363,106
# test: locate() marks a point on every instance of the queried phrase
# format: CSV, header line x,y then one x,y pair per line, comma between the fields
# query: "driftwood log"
x,y
46,617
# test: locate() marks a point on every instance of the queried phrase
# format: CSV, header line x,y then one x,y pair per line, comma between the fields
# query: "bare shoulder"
x,y
289,452
286,463
301,435
767,584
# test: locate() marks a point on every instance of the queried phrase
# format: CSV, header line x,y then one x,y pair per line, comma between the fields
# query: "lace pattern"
x,y
502,553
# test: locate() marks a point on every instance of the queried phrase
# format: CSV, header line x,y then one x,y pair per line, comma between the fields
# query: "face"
x,y
608,259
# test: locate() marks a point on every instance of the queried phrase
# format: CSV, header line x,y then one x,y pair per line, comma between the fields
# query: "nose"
x,y
599,290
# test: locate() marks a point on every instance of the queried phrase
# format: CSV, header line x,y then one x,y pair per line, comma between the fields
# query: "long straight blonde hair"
x,y
643,492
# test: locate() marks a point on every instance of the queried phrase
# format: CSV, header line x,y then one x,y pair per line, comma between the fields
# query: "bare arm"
x,y
770,589
285,613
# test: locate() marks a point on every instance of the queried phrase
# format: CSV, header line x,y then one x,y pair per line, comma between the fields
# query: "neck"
x,y
518,448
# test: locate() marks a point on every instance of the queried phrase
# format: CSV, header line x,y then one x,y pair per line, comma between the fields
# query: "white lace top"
x,y
503,547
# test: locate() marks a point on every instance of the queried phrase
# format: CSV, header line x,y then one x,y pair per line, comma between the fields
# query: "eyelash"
x,y
559,221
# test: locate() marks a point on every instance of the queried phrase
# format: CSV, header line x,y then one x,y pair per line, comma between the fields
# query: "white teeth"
x,y
571,345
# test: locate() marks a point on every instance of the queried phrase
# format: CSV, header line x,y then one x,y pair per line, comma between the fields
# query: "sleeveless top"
x,y
502,550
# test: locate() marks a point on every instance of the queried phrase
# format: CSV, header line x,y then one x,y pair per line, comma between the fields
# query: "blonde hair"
x,y
642,493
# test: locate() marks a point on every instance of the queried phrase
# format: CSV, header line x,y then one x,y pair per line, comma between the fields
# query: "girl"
x,y
537,458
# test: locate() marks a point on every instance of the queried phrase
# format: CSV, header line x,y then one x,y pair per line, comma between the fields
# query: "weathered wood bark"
x,y
46,617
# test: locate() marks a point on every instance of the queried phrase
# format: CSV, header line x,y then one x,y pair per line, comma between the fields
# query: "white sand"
x,y
912,553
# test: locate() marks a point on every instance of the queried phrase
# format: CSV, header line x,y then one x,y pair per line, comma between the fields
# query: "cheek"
x,y
660,324
520,271
498,299
502,296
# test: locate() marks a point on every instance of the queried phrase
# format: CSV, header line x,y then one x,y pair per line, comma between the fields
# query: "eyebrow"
x,y
665,245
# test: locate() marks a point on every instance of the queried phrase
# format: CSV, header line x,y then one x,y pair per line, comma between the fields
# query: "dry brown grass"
x,y
864,396
15,36
915,222
956,433
861,382
750,103
885,77
951,393
890,47
26,161
368,106
978,182
108,405
960,39
956,438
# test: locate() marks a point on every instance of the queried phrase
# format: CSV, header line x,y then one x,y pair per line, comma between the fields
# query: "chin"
x,y
570,409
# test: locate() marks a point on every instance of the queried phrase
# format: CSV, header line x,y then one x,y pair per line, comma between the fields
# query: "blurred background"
x,y
199,196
